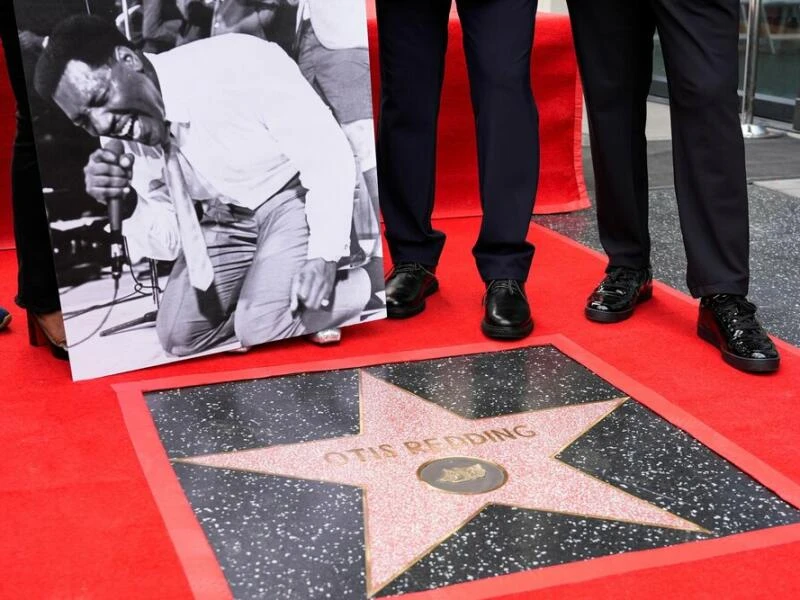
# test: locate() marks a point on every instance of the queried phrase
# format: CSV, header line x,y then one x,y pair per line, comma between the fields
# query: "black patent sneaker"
x,y
407,286
507,312
616,297
729,322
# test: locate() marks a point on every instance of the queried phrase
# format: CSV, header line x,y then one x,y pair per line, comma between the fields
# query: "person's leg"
x,y
614,46
498,40
190,321
700,44
413,40
38,288
342,79
614,43
263,313
5,316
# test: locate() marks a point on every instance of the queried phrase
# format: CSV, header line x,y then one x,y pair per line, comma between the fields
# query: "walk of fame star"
x,y
408,515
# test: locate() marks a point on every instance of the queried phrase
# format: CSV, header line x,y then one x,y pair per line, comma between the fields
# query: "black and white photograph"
x,y
209,173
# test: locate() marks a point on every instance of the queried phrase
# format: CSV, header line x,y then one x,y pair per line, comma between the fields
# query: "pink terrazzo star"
x,y
405,517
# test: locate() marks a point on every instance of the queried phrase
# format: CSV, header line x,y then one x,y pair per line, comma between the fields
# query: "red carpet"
x,y
79,503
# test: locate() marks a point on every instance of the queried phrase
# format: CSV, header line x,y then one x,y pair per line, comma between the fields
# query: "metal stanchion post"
x,y
126,18
749,129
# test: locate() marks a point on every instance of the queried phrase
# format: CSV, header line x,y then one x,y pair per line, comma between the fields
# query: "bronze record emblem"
x,y
463,475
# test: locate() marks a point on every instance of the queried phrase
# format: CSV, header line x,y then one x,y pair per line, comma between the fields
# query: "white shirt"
x,y
247,122
338,24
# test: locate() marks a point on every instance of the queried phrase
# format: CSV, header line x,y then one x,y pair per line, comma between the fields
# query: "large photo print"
x,y
209,173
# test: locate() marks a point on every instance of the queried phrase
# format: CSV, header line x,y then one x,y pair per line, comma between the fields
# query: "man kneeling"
x,y
224,159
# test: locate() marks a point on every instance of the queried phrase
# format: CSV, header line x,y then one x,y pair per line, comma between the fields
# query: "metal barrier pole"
x,y
796,120
127,18
749,129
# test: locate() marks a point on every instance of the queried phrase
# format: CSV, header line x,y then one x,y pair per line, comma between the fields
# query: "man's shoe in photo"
x,y
507,313
616,297
5,318
729,323
407,286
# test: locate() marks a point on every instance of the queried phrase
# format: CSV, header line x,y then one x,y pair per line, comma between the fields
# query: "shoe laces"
x,y
620,281
738,316
408,267
512,285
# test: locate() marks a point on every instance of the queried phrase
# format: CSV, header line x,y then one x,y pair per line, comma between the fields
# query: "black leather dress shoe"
x,y
507,313
616,297
407,286
729,323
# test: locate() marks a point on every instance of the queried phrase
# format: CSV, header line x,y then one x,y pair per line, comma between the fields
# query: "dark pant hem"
x,y
424,260
628,264
488,277
739,287
38,308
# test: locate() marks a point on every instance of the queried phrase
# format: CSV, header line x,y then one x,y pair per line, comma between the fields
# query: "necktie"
x,y
201,272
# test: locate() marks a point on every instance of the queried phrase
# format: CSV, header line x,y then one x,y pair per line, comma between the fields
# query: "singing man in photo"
x,y
226,161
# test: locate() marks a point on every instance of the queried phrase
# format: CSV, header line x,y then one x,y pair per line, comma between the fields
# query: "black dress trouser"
x,y
498,38
38,289
699,39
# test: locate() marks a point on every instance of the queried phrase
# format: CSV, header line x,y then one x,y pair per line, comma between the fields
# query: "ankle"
x,y
53,325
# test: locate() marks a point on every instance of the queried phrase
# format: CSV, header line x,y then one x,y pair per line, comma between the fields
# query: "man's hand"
x,y
312,286
108,173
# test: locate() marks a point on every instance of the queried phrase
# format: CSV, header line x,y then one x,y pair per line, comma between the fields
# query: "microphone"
x,y
116,242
